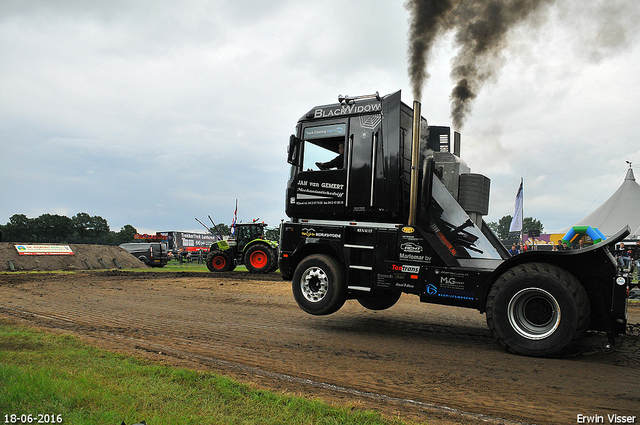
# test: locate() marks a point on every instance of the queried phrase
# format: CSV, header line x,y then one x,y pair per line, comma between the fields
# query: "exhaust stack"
x,y
415,158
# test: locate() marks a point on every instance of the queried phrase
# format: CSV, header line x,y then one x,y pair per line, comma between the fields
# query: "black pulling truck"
x,y
380,204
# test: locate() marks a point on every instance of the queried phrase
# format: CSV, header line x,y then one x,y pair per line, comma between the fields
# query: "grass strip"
x,y
186,267
63,378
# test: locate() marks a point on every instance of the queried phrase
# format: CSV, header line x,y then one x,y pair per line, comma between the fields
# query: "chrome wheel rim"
x,y
314,284
534,313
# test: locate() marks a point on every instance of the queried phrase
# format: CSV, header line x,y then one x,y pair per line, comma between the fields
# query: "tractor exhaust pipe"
x,y
415,158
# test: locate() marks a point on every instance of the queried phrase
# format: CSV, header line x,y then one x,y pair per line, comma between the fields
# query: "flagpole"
x,y
522,210
517,220
235,220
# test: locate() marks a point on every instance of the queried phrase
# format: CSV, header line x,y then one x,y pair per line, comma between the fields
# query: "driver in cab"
x,y
336,162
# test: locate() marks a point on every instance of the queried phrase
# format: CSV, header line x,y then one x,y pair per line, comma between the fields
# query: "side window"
x,y
324,147
255,232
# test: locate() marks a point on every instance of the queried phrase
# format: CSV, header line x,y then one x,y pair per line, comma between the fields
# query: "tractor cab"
x,y
246,232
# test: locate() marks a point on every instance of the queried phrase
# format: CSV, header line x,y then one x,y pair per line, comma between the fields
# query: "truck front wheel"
x,y
537,309
319,285
218,261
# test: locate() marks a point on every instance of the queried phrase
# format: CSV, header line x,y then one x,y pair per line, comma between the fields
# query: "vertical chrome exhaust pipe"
x,y
415,158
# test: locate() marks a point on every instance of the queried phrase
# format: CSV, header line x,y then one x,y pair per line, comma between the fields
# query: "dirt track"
x,y
423,362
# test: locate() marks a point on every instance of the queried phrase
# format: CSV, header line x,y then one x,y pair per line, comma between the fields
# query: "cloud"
x,y
153,113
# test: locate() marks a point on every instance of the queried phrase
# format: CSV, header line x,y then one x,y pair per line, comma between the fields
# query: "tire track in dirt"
x,y
441,356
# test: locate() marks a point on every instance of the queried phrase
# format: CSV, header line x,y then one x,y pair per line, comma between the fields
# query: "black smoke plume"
x,y
429,18
481,28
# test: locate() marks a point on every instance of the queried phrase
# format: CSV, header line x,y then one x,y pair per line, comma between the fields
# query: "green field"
x,y
56,378
175,266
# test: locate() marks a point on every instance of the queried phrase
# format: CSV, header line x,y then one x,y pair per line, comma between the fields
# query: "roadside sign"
x,y
44,250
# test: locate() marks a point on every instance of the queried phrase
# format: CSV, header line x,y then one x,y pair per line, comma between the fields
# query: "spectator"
x,y
559,247
514,250
622,254
636,257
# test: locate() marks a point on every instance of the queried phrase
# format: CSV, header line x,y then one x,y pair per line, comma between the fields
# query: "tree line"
x,y
54,228
83,228
501,227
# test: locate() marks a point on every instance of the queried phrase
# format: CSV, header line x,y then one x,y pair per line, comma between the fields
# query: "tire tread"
x,y
562,277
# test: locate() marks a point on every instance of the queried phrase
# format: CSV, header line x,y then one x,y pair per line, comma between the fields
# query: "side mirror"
x,y
292,151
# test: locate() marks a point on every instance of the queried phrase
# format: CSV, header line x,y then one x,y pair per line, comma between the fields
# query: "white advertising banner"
x,y
44,249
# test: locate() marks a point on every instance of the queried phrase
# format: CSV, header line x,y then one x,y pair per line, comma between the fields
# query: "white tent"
x,y
621,209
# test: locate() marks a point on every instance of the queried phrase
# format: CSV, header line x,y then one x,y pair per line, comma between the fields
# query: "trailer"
x,y
188,241
380,205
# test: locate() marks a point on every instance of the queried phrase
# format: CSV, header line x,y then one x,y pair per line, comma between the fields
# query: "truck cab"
x,y
355,185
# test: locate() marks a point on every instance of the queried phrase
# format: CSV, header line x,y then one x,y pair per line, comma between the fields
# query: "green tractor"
x,y
248,246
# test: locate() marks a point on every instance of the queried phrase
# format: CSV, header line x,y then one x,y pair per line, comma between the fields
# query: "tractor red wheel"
x,y
259,258
218,261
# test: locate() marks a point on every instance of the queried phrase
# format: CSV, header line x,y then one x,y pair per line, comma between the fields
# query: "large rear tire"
x,y
537,309
381,301
260,258
275,264
319,285
218,261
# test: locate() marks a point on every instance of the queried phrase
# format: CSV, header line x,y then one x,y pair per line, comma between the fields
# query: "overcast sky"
x,y
152,113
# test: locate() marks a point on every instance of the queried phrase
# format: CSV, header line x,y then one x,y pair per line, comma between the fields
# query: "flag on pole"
x,y
516,221
235,219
